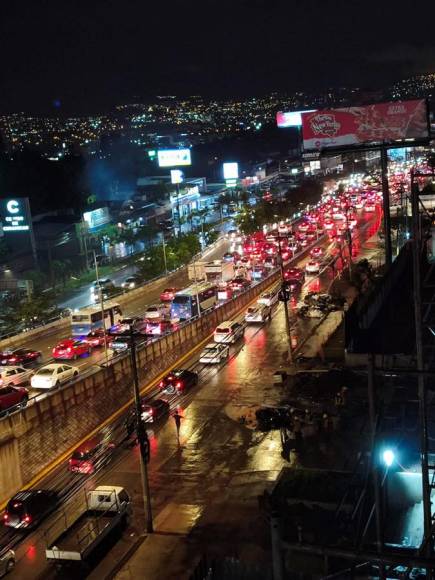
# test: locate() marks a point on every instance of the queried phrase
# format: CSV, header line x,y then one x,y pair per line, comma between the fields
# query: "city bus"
x,y
88,319
191,301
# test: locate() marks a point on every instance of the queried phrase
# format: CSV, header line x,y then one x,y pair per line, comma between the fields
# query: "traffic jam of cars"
x,y
317,234
309,238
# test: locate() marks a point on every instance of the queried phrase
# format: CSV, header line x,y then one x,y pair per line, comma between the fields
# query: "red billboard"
x,y
367,125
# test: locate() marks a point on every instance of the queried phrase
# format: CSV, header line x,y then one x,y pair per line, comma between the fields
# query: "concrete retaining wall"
x,y
32,439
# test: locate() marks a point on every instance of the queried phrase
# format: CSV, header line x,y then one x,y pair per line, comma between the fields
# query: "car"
x,y
53,375
104,287
91,455
21,356
26,509
303,227
294,275
97,338
268,298
257,313
154,410
70,349
214,353
136,322
328,224
168,294
159,327
7,562
122,341
312,267
239,283
12,398
178,380
229,331
227,257
14,375
156,311
316,252
131,282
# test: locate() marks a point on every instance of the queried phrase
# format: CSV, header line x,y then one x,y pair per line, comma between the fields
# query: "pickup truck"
x,y
73,539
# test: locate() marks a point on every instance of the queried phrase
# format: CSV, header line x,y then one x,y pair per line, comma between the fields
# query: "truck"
x,y
216,271
74,536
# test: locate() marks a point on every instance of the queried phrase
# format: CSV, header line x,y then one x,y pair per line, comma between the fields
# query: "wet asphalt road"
x,y
220,464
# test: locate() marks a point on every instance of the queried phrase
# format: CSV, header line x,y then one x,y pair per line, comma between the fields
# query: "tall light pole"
x,y
284,296
142,437
100,291
164,253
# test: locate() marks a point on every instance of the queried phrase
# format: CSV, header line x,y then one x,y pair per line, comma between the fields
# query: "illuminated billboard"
x,y
97,217
384,123
173,157
15,214
291,118
231,170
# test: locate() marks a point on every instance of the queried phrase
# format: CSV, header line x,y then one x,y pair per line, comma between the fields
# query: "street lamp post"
x,y
164,253
284,294
142,437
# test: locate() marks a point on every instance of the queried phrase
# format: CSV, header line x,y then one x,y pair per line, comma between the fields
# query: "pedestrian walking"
x,y
177,419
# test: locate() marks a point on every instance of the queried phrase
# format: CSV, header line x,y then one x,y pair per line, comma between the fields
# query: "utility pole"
x,y
142,437
164,253
284,295
103,318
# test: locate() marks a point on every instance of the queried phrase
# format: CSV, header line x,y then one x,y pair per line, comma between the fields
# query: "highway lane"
x,y
221,463
89,363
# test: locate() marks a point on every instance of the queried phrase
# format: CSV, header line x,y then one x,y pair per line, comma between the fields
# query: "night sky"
x,y
85,56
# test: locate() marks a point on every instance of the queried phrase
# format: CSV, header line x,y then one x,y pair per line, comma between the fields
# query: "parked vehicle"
x,y
214,353
229,331
107,507
178,380
26,509
53,375
12,397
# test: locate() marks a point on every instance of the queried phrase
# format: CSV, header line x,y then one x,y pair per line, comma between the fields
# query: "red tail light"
x,y
5,516
69,349
27,519
13,359
161,384
179,384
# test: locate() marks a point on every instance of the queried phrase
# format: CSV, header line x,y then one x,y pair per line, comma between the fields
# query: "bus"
x,y
88,319
191,301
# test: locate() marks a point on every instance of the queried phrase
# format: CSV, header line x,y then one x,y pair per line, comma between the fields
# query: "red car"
x,y
239,284
19,356
168,294
316,252
71,349
294,274
12,397
98,338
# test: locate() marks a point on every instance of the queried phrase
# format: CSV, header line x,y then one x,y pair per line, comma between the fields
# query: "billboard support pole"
x,y
386,206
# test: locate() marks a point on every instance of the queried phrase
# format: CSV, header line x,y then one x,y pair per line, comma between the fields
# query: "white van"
x,y
228,331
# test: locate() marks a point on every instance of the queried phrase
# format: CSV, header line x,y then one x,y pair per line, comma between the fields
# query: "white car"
x,y
13,375
269,298
257,313
7,562
214,353
312,267
53,375
156,311
228,332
